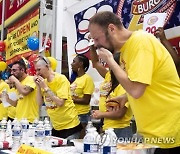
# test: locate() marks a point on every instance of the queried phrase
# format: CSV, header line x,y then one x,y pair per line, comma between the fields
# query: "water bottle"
x,y
31,136
9,132
108,142
3,125
89,125
39,135
35,122
25,124
48,132
14,122
91,141
25,127
45,120
16,135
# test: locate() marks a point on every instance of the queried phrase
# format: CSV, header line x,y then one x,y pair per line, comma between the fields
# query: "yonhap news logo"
x,y
104,139
152,140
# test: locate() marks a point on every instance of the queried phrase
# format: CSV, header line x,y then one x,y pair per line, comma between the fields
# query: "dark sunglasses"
x,y
14,70
42,58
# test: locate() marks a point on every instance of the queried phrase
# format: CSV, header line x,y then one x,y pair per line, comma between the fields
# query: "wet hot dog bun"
x,y
112,104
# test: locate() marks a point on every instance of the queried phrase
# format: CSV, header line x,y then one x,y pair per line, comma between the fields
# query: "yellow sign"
x,y
16,42
25,149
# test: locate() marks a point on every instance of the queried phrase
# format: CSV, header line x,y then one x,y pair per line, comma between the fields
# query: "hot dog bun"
x,y
112,104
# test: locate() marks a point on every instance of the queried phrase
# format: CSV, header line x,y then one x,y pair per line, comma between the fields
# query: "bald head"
x,y
42,62
42,68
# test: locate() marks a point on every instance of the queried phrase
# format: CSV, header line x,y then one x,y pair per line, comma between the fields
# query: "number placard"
x,y
153,21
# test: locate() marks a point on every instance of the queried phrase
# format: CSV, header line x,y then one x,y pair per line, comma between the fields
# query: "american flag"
x,y
124,9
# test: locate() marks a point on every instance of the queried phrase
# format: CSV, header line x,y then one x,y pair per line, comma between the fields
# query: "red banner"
x,y
13,6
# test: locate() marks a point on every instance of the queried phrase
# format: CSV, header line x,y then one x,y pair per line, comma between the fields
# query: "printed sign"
x,y
153,21
16,43
24,149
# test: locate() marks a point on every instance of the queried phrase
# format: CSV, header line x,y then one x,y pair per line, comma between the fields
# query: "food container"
x,y
57,141
135,148
78,143
4,145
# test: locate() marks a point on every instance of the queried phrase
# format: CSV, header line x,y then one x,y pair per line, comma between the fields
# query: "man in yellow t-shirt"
x,y
26,106
3,110
148,75
55,89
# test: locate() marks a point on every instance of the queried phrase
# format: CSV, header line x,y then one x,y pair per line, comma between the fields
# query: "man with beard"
x,y
26,106
54,89
147,73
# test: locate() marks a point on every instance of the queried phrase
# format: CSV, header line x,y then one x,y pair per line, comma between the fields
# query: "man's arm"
x,y
39,96
41,84
22,89
10,101
135,89
85,100
117,114
53,97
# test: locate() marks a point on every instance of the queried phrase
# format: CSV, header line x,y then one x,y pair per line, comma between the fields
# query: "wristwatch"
x,y
46,89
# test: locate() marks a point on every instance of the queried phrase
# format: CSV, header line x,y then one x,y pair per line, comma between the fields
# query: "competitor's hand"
x,y
97,114
120,99
105,54
12,79
40,81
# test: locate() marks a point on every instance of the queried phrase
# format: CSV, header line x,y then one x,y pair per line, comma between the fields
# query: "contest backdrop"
x,y
131,13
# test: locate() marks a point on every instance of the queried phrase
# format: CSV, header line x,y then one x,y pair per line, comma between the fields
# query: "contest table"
x,y
55,150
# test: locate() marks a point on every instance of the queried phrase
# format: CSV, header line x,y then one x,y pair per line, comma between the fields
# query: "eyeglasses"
x,y
14,70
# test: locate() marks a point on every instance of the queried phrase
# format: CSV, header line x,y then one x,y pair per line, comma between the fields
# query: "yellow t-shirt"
x,y
157,111
82,85
125,120
3,110
27,106
105,87
63,117
11,109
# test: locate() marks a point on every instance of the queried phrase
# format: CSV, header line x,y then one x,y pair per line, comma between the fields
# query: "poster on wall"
x,y
16,42
131,13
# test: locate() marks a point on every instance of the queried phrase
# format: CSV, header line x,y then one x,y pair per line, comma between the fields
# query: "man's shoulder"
x,y
28,78
140,33
59,76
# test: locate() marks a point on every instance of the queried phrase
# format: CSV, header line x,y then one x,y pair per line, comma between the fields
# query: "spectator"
x,y
161,35
82,89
